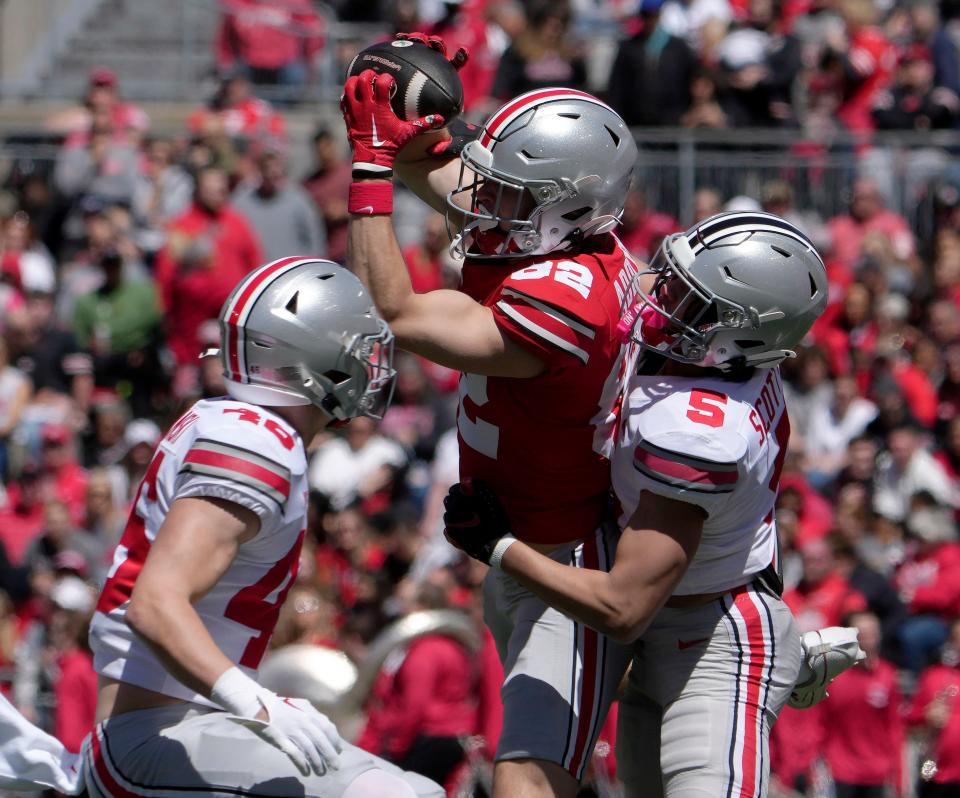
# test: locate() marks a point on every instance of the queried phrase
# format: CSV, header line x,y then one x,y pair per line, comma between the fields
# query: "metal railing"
x,y
907,166
674,163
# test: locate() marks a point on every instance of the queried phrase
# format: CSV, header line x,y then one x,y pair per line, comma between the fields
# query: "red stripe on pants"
x,y
110,784
751,731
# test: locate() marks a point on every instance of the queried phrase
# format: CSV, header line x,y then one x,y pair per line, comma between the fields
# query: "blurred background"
x,y
152,153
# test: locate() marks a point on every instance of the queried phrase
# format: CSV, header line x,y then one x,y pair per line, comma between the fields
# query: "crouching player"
x,y
211,548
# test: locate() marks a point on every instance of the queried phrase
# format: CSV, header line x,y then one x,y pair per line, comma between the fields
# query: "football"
x,y
426,83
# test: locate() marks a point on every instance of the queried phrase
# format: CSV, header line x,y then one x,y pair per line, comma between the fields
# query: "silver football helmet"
x,y
549,168
302,331
738,289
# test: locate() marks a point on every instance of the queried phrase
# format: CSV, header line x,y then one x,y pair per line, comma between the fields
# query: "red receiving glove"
x,y
376,135
459,59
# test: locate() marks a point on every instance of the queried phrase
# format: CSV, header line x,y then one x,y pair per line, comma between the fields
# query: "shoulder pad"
x,y
239,444
573,286
702,423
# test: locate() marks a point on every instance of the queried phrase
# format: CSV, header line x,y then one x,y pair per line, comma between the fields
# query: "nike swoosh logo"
x,y
365,209
376,141
682,644
290,703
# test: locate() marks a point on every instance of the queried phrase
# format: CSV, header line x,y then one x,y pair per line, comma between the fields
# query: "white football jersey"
x,y
719,445
228,450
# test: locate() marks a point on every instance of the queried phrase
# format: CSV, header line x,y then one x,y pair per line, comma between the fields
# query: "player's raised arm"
x,y
429,165
445,326
652,556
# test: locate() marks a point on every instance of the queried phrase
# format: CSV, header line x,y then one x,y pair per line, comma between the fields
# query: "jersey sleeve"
x,y
673,458
244,469
553,310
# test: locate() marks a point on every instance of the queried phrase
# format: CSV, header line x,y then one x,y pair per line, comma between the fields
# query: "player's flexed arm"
x,y
653,554
447,327
193,549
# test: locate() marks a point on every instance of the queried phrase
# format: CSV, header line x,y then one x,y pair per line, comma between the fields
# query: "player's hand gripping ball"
x,y
425,81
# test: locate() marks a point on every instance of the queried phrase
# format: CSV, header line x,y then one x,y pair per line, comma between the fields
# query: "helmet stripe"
x,y
722,222
730,223
245,297
523,103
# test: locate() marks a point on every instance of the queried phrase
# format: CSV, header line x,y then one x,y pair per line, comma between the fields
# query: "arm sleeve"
x,y
673,473
249,475
542,318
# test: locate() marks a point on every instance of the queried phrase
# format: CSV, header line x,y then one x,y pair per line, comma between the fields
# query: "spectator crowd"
x,y
115,261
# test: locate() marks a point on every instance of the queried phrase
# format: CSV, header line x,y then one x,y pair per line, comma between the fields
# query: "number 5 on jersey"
x,y
706,407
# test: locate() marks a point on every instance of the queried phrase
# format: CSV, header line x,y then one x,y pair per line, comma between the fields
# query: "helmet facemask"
x,y
364,384
681,318
503,215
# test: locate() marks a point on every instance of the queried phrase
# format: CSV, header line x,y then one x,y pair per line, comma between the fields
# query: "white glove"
x,y
293,724
826,653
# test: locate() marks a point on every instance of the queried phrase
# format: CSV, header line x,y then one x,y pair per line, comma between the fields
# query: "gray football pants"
x,y
560,677
704,691
189,751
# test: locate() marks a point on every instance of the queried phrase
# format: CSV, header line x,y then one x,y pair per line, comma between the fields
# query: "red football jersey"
x,y
543,443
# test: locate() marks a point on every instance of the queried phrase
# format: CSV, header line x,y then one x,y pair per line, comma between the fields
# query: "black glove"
x,y
475,521
461,134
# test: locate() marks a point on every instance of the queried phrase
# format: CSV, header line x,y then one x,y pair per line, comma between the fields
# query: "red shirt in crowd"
x,y
68,483
826,603
19,525
872,60
834,334
918,392
126,118
930,581
490,705
191,296
815,515
937,681
650,229
940,683
432,693
795,744
268,35
250,118
862,727
76,695
847,234
469,29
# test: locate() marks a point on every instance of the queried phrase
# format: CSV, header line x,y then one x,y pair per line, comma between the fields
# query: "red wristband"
x,y
370,198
